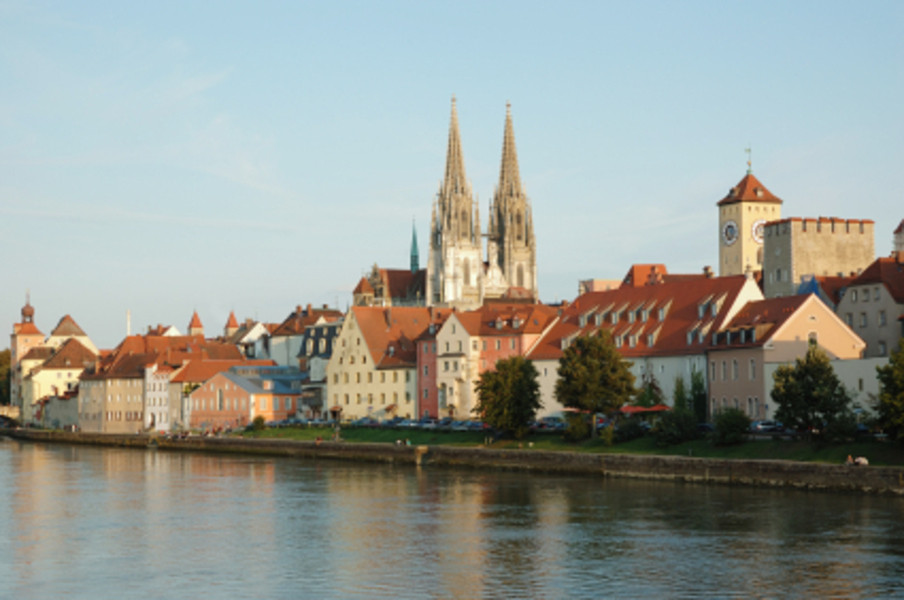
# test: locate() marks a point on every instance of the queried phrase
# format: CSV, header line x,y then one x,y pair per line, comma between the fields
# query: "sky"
x,y
160,158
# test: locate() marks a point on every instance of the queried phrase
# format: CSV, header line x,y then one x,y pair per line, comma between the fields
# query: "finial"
x,y
749,160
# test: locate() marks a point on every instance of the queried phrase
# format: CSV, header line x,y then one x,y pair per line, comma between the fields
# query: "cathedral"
x,y
458,275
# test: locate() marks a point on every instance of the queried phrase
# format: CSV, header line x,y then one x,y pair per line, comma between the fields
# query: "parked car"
x,y
767,427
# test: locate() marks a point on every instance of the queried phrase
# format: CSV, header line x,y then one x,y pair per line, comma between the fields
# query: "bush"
x,y
675,427
578,427
259,423
630,429
607,434
731,427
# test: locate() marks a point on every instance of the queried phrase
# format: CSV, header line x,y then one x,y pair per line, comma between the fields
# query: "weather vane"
x,y
749,160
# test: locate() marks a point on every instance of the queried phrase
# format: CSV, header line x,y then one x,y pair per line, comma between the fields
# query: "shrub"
x,y
630,429
731,426
578,427
258,424
607,434
675,427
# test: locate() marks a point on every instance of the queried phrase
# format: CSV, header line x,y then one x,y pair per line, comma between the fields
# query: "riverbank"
x,y
767,473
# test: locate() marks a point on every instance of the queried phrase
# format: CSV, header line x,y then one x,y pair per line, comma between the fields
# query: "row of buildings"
x,y
415,341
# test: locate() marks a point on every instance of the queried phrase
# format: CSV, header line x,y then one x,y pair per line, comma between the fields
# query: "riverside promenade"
x,y
761,473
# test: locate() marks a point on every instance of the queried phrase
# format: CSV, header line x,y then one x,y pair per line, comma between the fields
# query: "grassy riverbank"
x,y
878,453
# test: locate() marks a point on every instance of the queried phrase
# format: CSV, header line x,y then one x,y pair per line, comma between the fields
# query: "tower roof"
x,y
232,322
195,322
749,189
509,175
455,179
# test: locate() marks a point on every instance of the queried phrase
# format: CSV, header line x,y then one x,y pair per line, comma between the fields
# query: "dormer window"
x,y
701,310
613,317
630,316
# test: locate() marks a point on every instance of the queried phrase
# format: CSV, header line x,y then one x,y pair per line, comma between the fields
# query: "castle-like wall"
x,y
825,246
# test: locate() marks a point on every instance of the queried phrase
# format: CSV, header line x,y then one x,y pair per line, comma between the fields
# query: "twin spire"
x,y
455,181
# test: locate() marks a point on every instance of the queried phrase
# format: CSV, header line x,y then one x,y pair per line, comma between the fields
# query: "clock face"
x,y
756,230
729,233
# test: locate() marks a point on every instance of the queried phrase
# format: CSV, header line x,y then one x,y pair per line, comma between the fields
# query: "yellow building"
x,y
743,215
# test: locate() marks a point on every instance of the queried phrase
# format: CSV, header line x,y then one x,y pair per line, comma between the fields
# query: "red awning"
x,y
336,408
633,410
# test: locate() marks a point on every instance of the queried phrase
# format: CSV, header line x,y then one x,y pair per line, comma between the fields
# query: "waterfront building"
x,y
285,342
54,372
319,341
234,398
114,392
372,368
471,342
873,305
800,248
764,334
456,272
25,336
660,323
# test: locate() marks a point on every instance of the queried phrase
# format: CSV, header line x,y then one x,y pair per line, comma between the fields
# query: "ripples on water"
x,y
107,523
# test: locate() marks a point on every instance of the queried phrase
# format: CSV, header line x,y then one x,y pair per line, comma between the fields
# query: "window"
x,y
447,346
752,368
370,378
712,370
459,346
512,343
876,294
883,349
724,371
734,370
287,403
863,320
426,371
275,403
498,344
849,319
425,393
883,320
853,295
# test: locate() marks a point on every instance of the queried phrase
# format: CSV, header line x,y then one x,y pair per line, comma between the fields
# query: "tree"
x,y
4,376
593,376
731,426
890,405
650,392
509,397
681,400
698,394
810,396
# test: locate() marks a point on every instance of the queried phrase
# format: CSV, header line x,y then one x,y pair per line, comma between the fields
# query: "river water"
x,y
85,522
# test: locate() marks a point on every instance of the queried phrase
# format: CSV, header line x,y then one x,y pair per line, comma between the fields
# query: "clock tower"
x,y
743,214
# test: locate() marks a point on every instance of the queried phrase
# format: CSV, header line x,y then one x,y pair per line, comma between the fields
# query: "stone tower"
x,y
25,336
510,237
743,215
454,264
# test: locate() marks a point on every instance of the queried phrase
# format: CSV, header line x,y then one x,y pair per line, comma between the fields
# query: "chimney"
x,y
708,271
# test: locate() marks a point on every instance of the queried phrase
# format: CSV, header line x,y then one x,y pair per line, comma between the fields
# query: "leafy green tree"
x,y
890,405
675,426
509,396
698,395
650,391
593,376
731,426
681,399
809,395
4,376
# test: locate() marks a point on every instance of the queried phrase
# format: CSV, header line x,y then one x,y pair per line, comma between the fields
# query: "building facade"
x,y
743,215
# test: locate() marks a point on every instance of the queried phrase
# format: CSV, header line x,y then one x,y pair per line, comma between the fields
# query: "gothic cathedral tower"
x,y
454,264
510,239
743,214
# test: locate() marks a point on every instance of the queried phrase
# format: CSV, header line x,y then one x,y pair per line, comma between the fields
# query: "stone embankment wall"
x,y
775,473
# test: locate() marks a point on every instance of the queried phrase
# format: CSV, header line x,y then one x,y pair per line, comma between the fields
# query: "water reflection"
x,y
156,524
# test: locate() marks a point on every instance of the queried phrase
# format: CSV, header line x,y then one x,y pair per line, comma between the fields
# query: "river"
x,y
86,522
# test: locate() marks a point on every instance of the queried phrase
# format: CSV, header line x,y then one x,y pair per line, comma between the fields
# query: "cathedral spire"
x,y
455,180
509,176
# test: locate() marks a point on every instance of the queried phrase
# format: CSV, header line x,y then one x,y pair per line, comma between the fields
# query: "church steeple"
x,y
509,174
415,260
455,180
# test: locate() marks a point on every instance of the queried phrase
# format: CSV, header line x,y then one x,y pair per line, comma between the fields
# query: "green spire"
x,y
415,262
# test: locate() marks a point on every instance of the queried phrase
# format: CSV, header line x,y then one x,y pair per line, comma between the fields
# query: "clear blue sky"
x,y
166,157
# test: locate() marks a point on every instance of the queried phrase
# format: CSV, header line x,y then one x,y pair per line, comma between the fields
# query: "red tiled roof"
x,y
390,332
501,319
67,327
232,322
195,322
680,301
765,317
71,355
749,189
644,274
363,287
38,353
28,328
832,285
197,371
296,322
887,270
